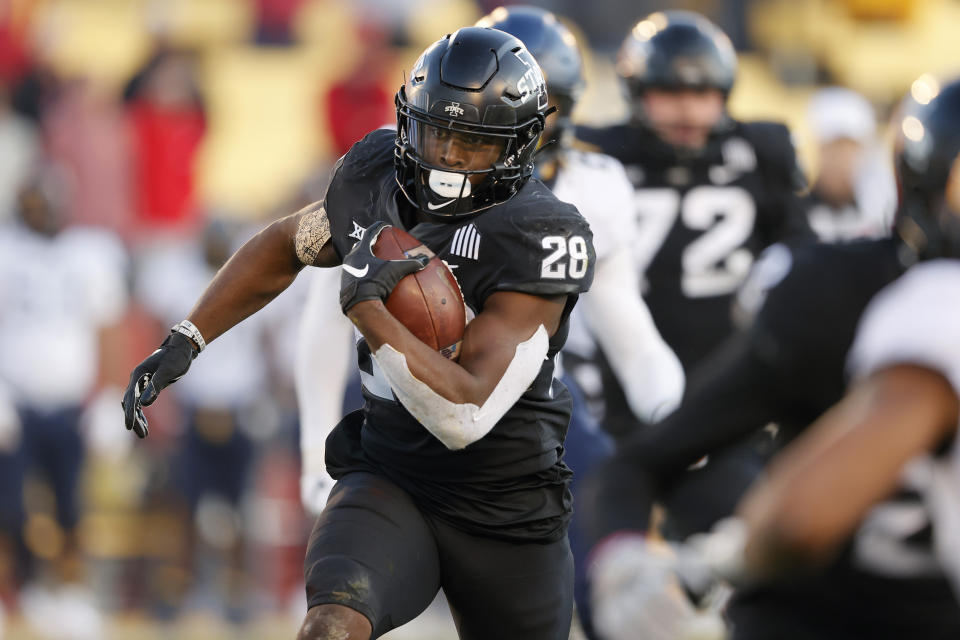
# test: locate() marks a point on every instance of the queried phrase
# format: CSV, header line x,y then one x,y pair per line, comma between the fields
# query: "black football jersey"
x,y
788,368
702,220
512,483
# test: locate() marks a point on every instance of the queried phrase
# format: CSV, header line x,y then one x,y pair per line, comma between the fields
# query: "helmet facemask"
x,y
451,169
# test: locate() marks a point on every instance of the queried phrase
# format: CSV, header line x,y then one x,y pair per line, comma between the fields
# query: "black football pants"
x,y
373,550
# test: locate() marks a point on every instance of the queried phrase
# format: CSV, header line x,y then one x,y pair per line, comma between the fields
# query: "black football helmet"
x,y
553,45
480,86
927,161
675,50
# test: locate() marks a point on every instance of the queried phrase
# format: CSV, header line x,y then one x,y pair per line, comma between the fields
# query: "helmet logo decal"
x,y
532,83
454,109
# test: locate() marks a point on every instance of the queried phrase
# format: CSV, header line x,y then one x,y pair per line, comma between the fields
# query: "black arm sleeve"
x,y
731,395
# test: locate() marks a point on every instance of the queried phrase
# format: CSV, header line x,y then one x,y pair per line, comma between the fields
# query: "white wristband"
x,y
190,330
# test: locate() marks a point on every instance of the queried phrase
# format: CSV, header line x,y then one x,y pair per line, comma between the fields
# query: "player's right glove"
x,y
367,277
162,368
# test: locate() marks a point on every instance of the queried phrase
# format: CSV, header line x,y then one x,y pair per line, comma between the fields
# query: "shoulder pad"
x,y
356,182
371,151
536,244
775,149
912,321
591,159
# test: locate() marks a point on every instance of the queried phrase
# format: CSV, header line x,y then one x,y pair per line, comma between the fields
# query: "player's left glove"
x,y
163,367
367,277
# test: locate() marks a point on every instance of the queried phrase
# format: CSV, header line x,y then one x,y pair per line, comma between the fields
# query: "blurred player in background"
x,y
854,194
788,368
61,292
212,465
472,493
897,425
710,192
612,315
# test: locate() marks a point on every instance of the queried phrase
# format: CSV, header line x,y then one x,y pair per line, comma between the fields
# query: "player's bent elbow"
x,y
453,434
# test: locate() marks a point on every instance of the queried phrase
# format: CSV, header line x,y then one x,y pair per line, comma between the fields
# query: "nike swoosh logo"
x,y
432,206
356,273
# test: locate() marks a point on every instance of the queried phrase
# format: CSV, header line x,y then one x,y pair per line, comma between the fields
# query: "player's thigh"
x,y
372,550
507,590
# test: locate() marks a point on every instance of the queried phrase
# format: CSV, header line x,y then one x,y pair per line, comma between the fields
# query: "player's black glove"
x,y
162,368
367,277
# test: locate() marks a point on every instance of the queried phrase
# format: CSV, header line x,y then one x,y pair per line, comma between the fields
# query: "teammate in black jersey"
x,y
788,368
711,192
452,474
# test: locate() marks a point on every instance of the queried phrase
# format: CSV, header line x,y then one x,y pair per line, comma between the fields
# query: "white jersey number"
x,y
714,264
554,267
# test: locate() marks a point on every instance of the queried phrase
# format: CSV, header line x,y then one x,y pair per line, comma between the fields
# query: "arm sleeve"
x,y
649,372
730,397
322,366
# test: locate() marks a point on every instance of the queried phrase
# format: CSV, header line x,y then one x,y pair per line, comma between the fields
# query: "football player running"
x,y
647,369
880,578
710,192
613,312
471,493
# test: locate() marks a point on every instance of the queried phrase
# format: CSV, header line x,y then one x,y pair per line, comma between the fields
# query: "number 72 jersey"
x,y
700,221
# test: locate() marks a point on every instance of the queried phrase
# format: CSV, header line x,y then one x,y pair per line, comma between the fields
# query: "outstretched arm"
x,y
257,273
819,490
263,268
648,370
732,395
322,372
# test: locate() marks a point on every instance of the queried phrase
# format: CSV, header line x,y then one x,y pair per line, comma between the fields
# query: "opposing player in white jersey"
x,y
597,184
898,423
611,316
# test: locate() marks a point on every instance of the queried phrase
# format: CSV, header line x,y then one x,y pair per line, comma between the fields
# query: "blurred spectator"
x,y
274,19
14,48
225,413
84,130
168,124
362,100
61,289
854,195
19,148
